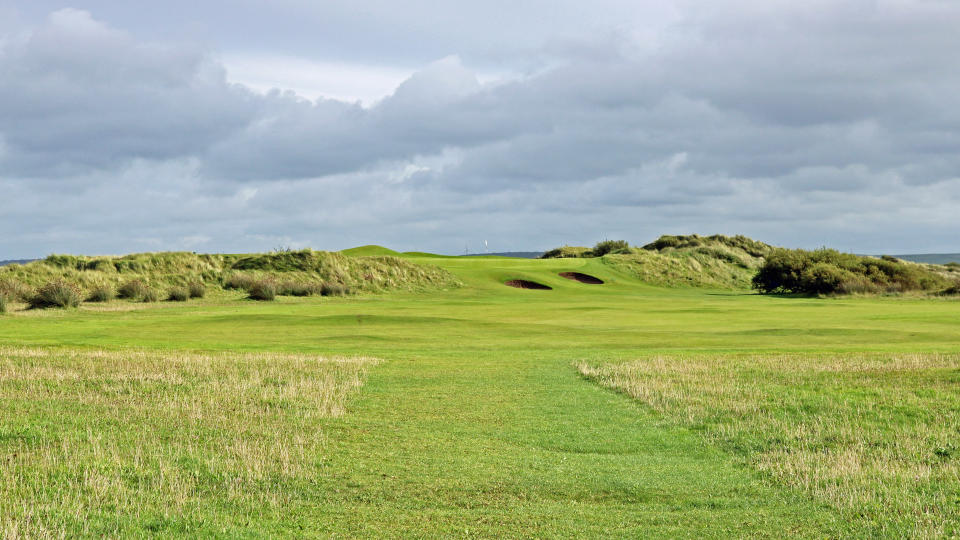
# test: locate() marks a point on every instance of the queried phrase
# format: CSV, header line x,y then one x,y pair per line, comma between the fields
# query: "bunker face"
x,y
582,278
524,284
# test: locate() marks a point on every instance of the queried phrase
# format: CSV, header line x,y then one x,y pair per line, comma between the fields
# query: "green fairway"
x,y
475,419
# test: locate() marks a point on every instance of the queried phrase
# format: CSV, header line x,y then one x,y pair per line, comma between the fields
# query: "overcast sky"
x,y
215,125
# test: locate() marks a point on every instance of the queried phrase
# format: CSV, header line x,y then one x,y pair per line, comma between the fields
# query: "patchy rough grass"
x,y
876,436
97,443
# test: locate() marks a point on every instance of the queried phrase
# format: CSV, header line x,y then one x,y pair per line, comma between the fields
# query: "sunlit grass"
x,y
878,437
94,440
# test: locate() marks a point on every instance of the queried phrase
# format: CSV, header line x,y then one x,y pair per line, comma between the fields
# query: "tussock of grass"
x,y
334,289
133,289
264,289
197,289
88,434
876,436
150,295
15,290
101,293
179,294
58,293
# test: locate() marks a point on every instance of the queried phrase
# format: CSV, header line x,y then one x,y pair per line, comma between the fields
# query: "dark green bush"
x,y
264,289
102,293
58,293
3,303
334,289
826,271
610,247
179,294
133,289
197,289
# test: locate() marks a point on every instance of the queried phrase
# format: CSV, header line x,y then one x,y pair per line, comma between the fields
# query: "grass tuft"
x,y
134,289
197,289
57,293
334,289
101,293
264,290
179,294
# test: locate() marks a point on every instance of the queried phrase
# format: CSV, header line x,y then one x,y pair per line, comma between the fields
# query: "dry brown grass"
x,y
89,437
878,437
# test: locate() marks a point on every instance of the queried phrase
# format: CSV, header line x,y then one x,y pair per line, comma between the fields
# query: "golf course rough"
x,y
623,410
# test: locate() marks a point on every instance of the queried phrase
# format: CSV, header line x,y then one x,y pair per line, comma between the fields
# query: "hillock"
x,y
166,271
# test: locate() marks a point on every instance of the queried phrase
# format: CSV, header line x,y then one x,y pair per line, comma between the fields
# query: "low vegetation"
x,y
263,289
57,293
875,436
167,435
827,271
602,248
179,294
197,289
145,276
101,293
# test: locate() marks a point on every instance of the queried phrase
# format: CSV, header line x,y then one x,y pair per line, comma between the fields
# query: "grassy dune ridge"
x,y
877,436
178,269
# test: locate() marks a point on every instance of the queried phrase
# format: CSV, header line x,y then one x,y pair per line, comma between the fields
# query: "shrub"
x,y
101,293
133,289
334,289
197,289
825,271
610,246
566,252
3,303
264,289
179,294
150,295
58,293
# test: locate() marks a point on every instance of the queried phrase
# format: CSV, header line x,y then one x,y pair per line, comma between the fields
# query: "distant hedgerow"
x,y
58,293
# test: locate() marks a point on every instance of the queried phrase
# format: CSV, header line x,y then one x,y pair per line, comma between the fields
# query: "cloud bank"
x,y
821,123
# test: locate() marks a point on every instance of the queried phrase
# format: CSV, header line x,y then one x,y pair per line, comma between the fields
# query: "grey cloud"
x,y
800,125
